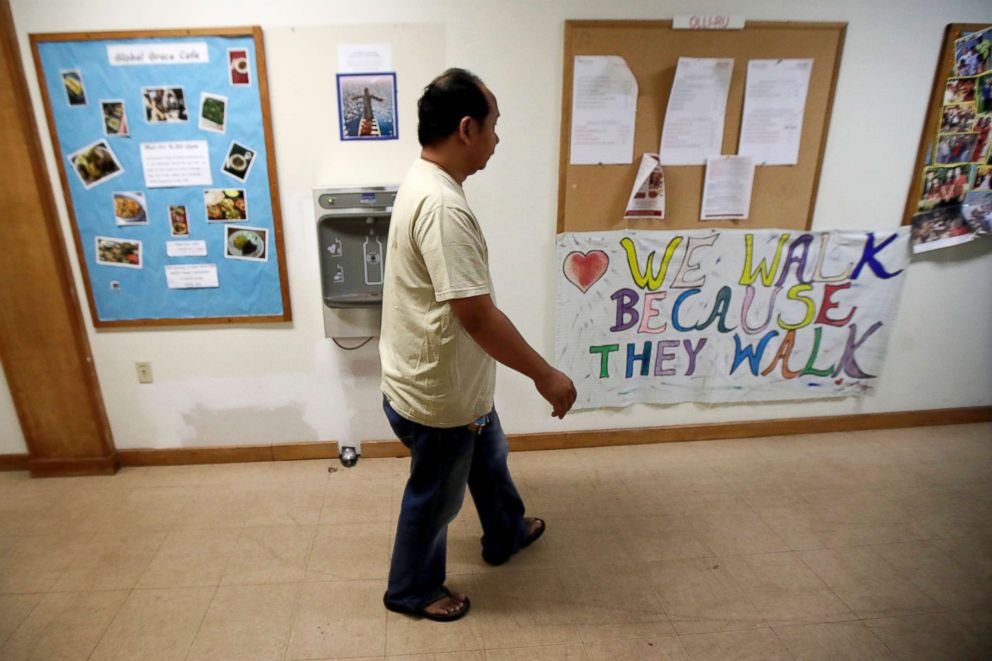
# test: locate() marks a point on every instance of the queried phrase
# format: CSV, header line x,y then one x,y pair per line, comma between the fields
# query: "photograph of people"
x,y
959,90
940,228
958,118
983,124
955,147
985,93
983,178
942,186
977,209
971,53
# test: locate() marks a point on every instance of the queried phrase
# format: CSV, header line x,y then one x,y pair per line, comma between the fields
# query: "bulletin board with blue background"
x,y
164,147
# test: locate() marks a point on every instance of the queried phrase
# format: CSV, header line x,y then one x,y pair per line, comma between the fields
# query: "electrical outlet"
x,y
144,372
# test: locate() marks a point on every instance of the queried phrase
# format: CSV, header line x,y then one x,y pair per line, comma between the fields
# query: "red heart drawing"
x,y
584,269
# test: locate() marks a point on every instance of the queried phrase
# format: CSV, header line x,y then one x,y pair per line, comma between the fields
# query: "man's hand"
x,y
558,389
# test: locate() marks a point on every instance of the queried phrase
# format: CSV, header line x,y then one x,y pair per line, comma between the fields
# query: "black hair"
x,y
454,94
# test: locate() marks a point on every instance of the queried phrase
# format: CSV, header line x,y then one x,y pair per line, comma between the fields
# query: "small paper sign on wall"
x,y
727,188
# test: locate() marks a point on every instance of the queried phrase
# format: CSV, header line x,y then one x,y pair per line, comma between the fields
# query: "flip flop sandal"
x,y
423,612
535,535
530,539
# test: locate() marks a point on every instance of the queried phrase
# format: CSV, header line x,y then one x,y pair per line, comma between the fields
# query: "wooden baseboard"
x,y
74,466
518,442
719,430
228,455
14,462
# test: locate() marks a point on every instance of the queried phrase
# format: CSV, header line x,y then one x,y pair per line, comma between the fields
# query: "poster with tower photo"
x,y
367,106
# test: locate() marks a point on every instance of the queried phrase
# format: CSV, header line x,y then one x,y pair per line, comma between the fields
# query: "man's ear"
x,y
465,128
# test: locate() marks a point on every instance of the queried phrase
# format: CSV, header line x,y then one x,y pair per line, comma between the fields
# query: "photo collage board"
x,y
955,201
163,147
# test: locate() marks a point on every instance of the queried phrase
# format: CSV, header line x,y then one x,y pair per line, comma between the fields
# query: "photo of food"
x,y
959,90
224,205
213,112
164,105
178,220
95,164
367,104
130,209
246,243
118,252
114,118
238,161
237,59
75,92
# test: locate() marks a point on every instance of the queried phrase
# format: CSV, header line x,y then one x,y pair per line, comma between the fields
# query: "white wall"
x,y
286,383
11,437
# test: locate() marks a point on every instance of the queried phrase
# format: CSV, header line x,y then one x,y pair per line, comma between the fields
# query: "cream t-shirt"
x,y
433,372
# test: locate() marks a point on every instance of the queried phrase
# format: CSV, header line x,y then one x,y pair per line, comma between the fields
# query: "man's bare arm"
x,y
498,337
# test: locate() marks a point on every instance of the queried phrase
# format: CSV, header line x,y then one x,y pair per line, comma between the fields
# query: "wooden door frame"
x,y
54,370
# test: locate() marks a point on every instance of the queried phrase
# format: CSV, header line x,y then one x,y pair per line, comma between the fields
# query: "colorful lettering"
x,y
664,356
829,304
767,273
650,312
604,351
749,353
796,294
648,279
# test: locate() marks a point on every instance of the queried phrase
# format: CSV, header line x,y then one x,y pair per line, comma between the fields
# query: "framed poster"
x,y
367,106
165,154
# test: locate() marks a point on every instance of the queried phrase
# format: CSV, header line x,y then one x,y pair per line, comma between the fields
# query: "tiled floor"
x,y
868,545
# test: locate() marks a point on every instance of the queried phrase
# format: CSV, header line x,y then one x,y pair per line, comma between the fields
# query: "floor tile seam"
x,y
833,588
910,575
864,623
743,591
41,597
851,547
110,624
199,626
778,637
297,605
859,622
310,552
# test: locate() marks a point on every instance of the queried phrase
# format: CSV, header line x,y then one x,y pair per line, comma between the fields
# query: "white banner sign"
x,y
725,316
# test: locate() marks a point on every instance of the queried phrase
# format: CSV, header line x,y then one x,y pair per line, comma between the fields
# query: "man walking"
x,y
441,337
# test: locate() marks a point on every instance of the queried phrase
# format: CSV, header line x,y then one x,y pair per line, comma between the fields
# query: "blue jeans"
x,y
443,462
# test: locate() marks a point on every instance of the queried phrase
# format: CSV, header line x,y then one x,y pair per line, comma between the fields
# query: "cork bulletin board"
x,y
593,197
943,76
